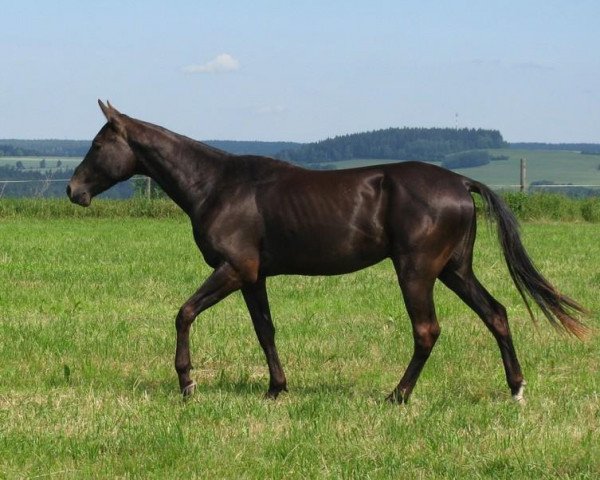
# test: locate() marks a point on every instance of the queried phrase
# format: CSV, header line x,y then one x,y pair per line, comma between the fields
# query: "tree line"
x,y
78,148
13,151
429,144
44,148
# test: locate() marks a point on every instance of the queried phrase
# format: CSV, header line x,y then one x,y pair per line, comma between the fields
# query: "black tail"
x,y
558,308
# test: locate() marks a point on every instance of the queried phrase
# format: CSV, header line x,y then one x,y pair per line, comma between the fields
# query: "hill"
x,y
428,144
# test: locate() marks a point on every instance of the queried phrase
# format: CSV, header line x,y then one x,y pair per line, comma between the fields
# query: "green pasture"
x,y
33,163
556,166
88,390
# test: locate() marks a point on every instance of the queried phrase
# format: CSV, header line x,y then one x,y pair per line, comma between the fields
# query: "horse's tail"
x,y
558,308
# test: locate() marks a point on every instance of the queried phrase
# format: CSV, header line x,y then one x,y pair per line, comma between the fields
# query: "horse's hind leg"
x,y
462,281
417,289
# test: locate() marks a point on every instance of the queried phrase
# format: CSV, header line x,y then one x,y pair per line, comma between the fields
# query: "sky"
x,y
302,70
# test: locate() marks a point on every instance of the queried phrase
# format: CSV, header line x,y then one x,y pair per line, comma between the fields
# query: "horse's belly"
x,y
325,228
325,253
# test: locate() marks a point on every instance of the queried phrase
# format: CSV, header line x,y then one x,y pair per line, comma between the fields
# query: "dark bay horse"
x,y
255,217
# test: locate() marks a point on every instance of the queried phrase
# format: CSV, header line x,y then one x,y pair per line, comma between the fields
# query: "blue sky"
x,y
302,70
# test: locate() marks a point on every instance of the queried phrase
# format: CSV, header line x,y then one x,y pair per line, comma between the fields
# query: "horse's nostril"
x,y
69,191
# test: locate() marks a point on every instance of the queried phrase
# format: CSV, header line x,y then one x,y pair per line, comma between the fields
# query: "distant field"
x,y
88,388
33,163
556,166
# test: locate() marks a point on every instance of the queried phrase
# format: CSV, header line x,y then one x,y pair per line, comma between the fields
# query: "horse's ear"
x,y
105,110
113,117
113,109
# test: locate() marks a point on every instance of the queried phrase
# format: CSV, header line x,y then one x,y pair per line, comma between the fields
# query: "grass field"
x,y
556,166
33,163
87,387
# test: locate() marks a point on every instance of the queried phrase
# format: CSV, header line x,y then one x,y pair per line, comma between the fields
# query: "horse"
x,y
254,217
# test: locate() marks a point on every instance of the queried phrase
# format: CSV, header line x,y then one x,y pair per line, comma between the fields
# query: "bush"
x,y
516,201
550,206
469,159
590,210
553,206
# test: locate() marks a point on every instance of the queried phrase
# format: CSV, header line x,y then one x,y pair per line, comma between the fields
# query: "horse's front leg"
x,y
223,281
257,302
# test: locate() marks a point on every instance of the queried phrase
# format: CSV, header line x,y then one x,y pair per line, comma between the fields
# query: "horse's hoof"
x,y
188,390
395,398
273,393
518,396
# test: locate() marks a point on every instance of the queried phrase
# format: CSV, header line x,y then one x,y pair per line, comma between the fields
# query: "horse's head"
x,y
109,160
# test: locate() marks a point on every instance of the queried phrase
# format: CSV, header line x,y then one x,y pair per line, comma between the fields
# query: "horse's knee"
x,y
185,317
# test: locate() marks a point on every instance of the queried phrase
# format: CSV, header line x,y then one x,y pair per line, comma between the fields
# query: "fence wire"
x,y
143,186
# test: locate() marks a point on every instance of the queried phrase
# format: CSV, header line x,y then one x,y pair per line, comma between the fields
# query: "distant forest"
x,y
78,148
430,144
44,148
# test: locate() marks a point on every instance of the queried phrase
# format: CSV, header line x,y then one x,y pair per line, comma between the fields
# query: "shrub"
x,y
516,201
590,209
468,159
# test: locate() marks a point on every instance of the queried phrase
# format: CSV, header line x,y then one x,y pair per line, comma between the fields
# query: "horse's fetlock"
x,y
183,369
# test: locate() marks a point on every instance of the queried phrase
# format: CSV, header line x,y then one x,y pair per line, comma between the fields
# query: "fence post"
x,y
149,187
523,179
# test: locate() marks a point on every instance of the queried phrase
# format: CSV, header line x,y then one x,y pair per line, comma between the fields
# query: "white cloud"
x,y
222,63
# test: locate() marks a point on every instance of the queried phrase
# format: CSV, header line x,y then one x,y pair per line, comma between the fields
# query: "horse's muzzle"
x,y
79,196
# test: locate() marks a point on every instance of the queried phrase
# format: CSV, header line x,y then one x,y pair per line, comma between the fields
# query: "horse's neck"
x,y
186,170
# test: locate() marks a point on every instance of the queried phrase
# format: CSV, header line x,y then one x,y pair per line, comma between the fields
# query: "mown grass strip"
x,y
41,208
527,207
